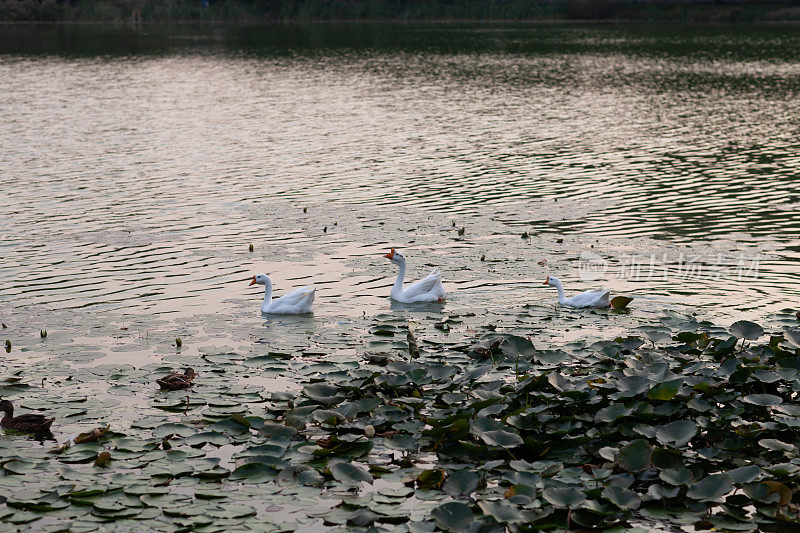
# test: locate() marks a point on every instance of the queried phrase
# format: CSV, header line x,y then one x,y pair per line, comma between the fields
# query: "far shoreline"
x,y
399,12
397,22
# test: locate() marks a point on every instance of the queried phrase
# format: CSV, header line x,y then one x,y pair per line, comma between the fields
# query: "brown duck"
x,y
29,423
177,381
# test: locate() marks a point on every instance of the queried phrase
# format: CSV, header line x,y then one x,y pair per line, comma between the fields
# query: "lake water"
x,y
139,163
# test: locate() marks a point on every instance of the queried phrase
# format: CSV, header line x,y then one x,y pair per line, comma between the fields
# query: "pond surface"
x,y
138,165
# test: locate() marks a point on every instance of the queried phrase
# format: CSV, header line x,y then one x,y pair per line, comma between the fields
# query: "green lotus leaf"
x,y
665,391
322,393
614,412
207,437
171,428
461,482
711,488
776,445
501,511
745,474
564,497
625,499
764,400
792,337
635,456
349,473
677,433
502,438
253,472
744,329
676,476
453,516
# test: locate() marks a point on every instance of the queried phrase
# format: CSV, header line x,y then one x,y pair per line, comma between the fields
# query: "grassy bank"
x,y
386,10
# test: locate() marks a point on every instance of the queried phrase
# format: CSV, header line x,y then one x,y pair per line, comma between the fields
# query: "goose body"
x,y
428,289
29,423
592,298
297,302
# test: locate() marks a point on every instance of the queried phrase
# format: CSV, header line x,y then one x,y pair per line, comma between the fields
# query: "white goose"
x,y
591,298
297,302
428,289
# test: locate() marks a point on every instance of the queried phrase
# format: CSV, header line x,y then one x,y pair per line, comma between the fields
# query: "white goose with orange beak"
x,y
591,298
428,289
297,302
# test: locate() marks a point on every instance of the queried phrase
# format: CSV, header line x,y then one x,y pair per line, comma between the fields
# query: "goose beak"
x,y
546,282
253,282
390,255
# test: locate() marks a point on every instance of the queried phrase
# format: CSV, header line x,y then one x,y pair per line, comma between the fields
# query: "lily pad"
x,y
453,516
349,473
711,488
564,497
744,329
625,499
677,433
635,456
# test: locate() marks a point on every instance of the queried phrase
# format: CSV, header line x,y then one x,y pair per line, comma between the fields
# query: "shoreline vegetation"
x,y
271,11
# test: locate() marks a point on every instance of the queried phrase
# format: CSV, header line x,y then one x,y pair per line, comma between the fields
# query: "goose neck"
x,y
398,284
267,294
561,297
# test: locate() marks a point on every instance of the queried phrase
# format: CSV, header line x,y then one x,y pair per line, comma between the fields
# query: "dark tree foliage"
x,y
402,10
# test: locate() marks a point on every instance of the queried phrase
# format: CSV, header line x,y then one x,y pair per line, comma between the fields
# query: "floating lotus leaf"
x,y
677,433
635,456
792,337
711,488
745,474
676,476
665,391
231,510
253,473
429,479
453,516
234,425
776,445
656,335
276,430
620,302
502,438
744,329
362,518
661,492
564,497
207,437
170,428
349,473
783,469
326,416
501,511
764,400
625,499
322,393
462,483
614,412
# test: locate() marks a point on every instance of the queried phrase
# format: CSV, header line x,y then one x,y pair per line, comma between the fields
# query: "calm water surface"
x,y
138,164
